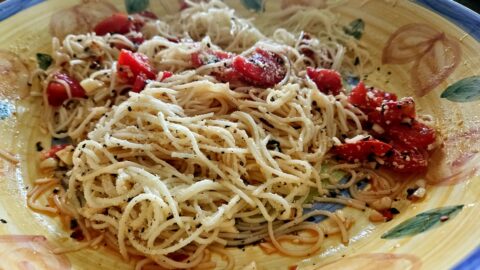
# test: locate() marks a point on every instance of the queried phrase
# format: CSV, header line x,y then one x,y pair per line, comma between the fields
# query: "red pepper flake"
x,y
387,213
444,218
51,153
292,267
77,235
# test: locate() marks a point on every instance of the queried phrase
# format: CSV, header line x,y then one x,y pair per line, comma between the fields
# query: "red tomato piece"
x,y
361,150
416,135
166,75
393,112
56,92
328,81
131,64
404,159
118,23
397,111
140,82
208,57
358,95
262,68
387,213
369,99
53,150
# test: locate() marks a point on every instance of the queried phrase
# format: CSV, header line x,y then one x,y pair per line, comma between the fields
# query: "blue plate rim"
x,y
460,15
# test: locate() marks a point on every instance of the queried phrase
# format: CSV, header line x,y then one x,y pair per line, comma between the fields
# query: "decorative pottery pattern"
x,y
455,187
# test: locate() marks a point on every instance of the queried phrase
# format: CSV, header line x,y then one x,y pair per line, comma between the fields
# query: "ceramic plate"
x,y
439,232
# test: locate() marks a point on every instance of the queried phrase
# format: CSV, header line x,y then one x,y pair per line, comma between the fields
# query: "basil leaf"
x,y
44,60
355,28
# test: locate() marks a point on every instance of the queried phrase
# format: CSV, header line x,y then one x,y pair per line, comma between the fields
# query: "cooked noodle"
x,y
191,164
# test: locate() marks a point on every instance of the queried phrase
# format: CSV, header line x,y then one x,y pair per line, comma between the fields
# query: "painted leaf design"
x,y
80,18
14,76
135,6
465,90
256,5
435,65
409,42
44,60
423,222
30,252
355,28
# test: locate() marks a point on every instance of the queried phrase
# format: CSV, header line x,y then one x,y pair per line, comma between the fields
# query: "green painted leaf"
x,y
44,60
256,5
135,6
465,90
423,222
355,28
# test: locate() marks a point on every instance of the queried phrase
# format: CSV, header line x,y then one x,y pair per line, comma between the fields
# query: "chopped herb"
x,y
355,28
39,146
73,224
357,61
274,145
394,211
44,60
3,221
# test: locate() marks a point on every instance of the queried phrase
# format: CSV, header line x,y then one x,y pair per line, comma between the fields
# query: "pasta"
x,y
193,163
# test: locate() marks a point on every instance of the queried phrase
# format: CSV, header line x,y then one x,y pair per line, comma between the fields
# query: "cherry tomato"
x,y
131,64
328,81
57,93
361,150
261,68
415,135
118,23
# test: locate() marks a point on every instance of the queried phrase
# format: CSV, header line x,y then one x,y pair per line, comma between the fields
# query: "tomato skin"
x,y
262,68
131,64
56,92
361,150
118,23
53,150
416,135
328,81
